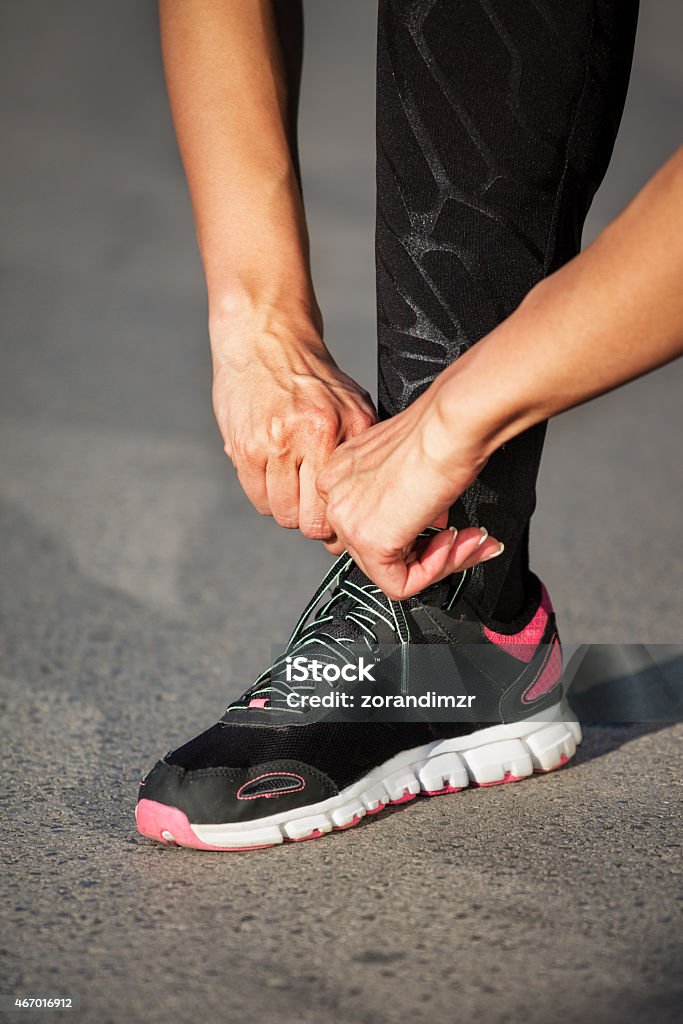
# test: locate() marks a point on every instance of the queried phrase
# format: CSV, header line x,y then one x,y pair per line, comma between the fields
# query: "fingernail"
x,y
452,529
484,534
494,554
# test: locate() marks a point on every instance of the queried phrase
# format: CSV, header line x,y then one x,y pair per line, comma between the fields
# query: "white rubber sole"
x,y
500,753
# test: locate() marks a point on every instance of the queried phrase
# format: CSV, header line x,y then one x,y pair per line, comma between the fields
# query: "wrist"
x,y
245,330
453,433
255,253
471,412
488,396
243,313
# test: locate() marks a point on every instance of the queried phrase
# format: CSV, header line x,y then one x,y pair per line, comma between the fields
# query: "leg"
x,y
495,124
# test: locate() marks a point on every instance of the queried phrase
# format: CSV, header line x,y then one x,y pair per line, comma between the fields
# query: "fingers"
x,y
400,579
428,561
486,549
471,546
282,485
278,489
288,494
285,486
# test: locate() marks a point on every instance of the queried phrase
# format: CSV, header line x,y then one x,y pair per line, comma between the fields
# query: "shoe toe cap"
x,y
221,795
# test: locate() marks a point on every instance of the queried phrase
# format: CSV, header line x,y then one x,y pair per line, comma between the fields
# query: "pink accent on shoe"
x,y
439,792
258,702
508,777
407,795
315,834
375,810
548,675
354,821
522,645
544,771
154,818
273,792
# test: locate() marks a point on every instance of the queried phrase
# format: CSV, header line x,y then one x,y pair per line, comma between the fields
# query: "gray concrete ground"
x,y
139,593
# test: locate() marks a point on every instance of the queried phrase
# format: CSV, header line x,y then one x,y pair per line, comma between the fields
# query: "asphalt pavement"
x,y
139,593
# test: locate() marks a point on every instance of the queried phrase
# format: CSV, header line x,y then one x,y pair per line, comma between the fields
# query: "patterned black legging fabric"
x,y
496,120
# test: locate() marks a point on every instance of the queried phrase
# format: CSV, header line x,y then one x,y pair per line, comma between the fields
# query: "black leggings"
x,y
496,121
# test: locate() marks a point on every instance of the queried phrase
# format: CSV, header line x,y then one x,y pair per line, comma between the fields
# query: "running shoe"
x,y
276,767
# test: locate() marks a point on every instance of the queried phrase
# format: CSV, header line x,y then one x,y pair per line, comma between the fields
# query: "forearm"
x,y
231,98
612,314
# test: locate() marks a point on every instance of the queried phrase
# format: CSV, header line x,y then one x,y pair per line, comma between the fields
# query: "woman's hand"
x,y
387,485
601,320
283,406
281,402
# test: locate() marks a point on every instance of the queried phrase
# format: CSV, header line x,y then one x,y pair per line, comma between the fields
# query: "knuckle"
x,y
361,422
278,430
324,424
288,520
247,449
281,431
315,531
287,523
315,526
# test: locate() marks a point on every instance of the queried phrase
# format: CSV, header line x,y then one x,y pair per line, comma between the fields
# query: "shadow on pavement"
x,y
620,692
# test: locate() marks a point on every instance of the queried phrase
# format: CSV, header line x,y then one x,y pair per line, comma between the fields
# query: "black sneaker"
x,y
272,770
